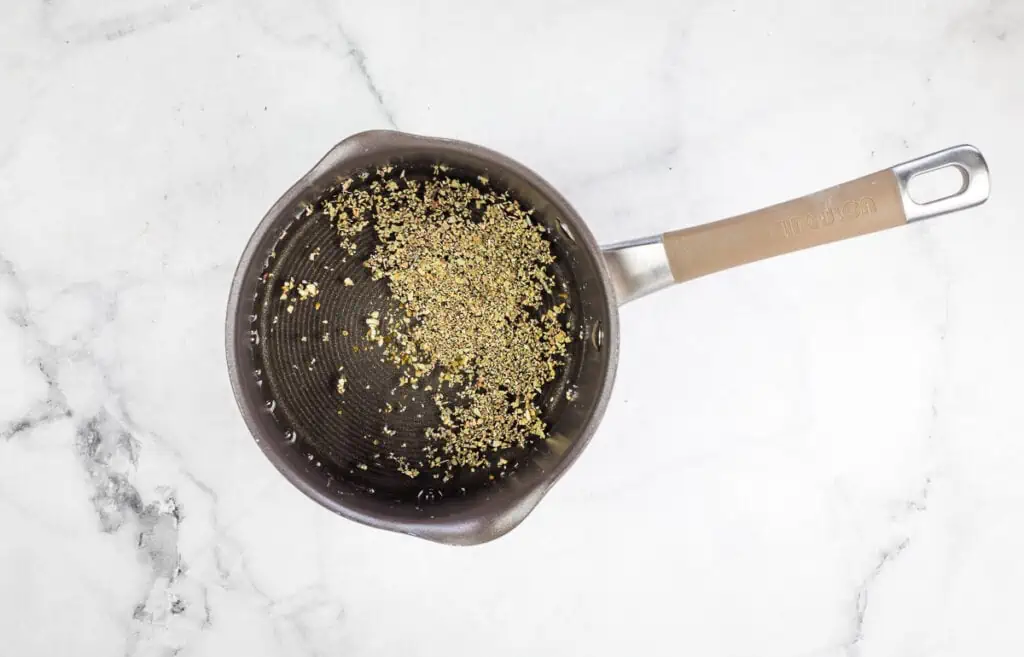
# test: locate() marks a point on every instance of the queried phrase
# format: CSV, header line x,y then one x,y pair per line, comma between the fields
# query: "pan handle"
x,y
865,205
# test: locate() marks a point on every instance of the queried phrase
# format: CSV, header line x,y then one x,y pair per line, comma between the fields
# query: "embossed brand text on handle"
x,y
830,215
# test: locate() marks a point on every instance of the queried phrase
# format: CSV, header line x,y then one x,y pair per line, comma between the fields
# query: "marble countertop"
x,y
819,455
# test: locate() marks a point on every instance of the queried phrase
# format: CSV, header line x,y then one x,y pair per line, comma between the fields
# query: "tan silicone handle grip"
x,y
861,206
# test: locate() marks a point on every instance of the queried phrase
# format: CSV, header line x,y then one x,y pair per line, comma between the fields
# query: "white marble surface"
x,y
816,456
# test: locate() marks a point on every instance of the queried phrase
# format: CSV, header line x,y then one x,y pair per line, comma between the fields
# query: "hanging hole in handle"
x,y
974,185
937,184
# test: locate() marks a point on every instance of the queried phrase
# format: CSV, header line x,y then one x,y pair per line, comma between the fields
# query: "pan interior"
x,y
349,444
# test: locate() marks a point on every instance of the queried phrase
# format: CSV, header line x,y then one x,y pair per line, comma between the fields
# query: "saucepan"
x,y
282,365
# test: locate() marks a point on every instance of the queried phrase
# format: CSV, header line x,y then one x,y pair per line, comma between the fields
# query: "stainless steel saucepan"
x,y
283,374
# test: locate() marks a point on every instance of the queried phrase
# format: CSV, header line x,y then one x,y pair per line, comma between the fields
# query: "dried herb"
x,y
472,320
